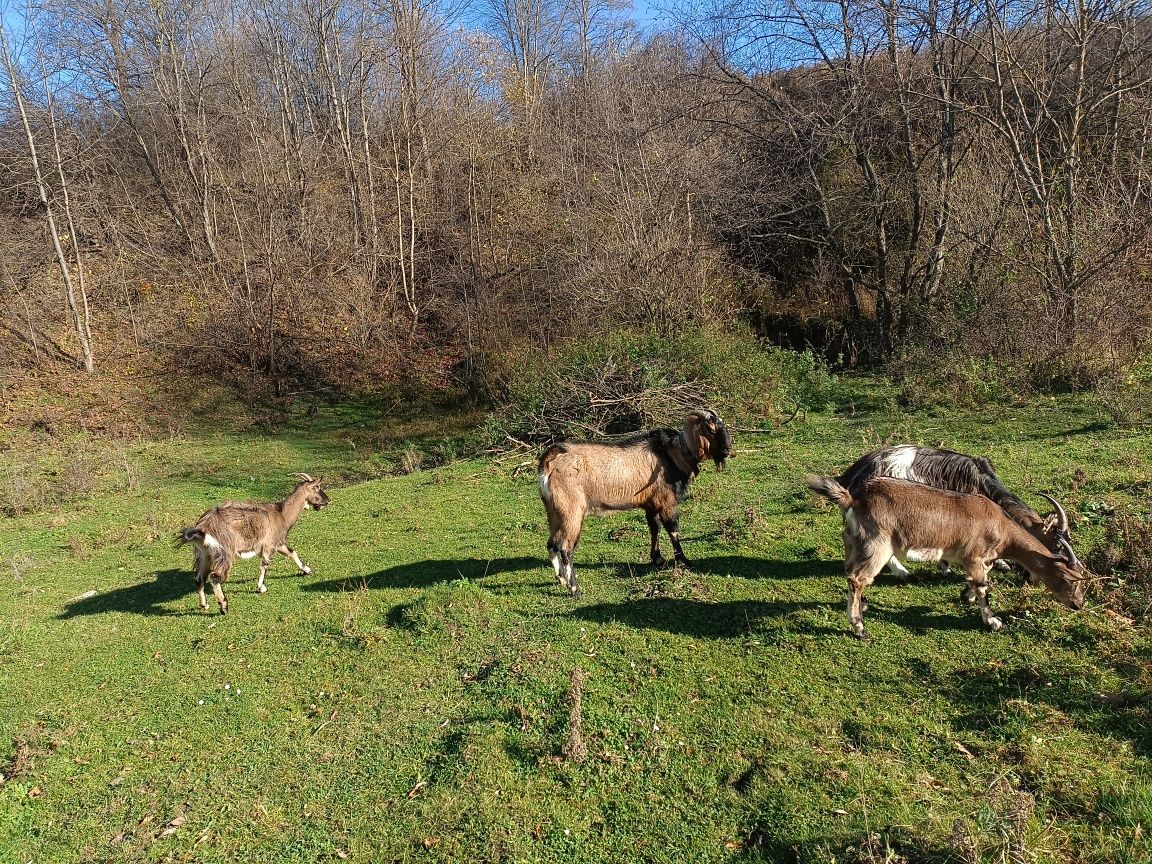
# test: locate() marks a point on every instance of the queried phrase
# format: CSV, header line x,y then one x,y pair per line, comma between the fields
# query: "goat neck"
x,y
295,504
683,457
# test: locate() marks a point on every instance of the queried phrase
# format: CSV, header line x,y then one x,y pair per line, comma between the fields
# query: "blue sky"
x,y
648,14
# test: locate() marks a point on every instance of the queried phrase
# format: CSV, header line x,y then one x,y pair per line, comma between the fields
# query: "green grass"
x,y
408,701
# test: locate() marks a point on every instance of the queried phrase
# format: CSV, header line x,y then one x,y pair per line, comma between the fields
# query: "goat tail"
x,y
830,488
544,470
188,535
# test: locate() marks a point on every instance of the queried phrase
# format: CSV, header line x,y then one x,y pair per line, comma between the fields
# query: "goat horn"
x,y
1061,516
302,476
1066,548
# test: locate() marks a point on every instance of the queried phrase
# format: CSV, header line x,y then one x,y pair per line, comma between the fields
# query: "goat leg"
x,y
672,526
202,567
300,565
898,570
979,587
856,585
654,531
218,590
569,579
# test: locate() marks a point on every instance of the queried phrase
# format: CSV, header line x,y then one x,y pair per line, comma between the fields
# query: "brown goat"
x,y
885,517
649,471
956,472
244,530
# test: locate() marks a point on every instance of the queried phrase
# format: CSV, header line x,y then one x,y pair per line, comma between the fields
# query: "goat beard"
x,y
724,450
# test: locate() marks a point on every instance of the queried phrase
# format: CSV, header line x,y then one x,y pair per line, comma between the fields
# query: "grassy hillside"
x,y
411,700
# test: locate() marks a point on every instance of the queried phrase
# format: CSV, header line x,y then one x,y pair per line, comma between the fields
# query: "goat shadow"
x,y
746,567
143,598
705,619
423,574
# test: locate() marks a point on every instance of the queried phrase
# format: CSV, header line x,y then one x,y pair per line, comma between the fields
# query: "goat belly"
x,y
924,554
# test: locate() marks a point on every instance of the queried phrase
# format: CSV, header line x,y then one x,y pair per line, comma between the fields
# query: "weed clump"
x,y
454,608
1005,829
1124,556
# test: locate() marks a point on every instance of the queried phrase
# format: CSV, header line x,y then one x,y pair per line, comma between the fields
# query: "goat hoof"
x,y
1002,565
967,595
995,624
262,588
863,635
223,610
307,571
659,560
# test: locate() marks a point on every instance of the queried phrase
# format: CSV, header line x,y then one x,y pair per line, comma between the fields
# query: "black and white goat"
x,y
885,517
955,472
244,530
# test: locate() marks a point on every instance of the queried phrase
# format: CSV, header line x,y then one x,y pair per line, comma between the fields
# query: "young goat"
x,y
244,530
955,472
649,471
886,517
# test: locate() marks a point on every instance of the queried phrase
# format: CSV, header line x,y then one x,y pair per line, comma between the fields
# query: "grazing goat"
x,y
886,516
649,471
955,472
244,530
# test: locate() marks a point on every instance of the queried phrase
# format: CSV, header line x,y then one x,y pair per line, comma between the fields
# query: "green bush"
x,y
624,380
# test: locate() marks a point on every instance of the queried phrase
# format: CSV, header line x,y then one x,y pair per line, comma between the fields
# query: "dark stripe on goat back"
x,y
657,439
862,470
947,469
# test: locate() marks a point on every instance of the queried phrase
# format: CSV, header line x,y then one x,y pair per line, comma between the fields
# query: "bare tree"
x,y
71,265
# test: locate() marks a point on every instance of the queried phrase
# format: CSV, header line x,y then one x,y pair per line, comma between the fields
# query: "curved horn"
x,y
302,476
1066,548
1061,516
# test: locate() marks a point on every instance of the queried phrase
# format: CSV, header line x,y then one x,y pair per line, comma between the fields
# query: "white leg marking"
x,y
897,569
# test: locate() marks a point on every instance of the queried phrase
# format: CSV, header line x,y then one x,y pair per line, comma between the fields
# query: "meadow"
x,y
430,693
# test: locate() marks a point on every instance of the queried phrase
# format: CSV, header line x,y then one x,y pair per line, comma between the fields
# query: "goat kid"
x,y
244,530
649,471
955,472
885,517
